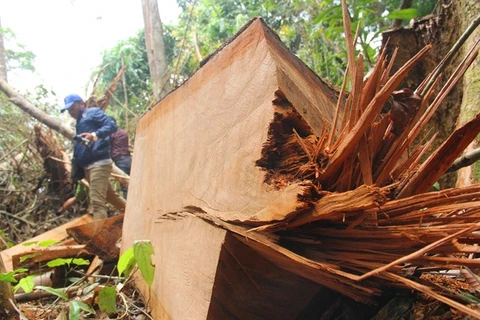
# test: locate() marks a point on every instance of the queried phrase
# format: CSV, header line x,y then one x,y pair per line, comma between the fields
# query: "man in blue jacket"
x,y
93,153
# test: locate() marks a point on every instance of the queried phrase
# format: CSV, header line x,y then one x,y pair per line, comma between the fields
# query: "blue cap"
x,y
70,100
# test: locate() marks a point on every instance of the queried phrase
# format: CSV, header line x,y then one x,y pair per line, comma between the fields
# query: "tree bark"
x,y
403,5
157,59
469,10
436,29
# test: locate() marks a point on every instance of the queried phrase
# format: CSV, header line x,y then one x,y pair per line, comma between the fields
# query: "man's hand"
x,y
91,136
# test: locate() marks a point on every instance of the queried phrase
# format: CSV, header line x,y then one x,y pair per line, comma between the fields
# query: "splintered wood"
x,y
334,190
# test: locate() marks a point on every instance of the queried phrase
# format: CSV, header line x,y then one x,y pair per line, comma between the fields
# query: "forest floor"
x,y
82,289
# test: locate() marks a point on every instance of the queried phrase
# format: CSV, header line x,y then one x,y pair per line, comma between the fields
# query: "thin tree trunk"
x,y
125,95
198,53
157,59
3,60
25,105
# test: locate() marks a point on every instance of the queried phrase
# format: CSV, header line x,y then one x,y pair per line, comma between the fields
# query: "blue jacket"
x,y
93,120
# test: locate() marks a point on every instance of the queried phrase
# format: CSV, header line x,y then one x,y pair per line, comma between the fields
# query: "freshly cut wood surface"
x,y
249,286
199,146
203,146
187,252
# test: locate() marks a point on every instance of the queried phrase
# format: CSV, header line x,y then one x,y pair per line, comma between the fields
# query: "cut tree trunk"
x,y
202,147
468,11
462,103
331,190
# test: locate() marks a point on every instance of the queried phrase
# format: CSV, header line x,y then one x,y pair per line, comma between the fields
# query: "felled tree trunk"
x,y
254,158
203,149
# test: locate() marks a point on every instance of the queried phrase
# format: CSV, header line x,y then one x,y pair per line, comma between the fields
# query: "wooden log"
x,y
208,145
59,233
39,255
200,145
100,236
213,275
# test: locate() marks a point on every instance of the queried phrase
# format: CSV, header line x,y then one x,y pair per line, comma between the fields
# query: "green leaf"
x,y
126,262
47,243
58,262
30,243
58,293
8,277
470,296
80,262
76,307
404,14
28,256
142,250
26,284
107,299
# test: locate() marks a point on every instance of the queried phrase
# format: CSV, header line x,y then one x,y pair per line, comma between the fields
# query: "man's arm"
x,y
106,125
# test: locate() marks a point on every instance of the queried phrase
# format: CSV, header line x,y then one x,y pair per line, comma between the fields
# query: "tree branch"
x,y
50,122
29,108
465,160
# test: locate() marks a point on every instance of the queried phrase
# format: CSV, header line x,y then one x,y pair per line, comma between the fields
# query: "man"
x,y
121,154
93,154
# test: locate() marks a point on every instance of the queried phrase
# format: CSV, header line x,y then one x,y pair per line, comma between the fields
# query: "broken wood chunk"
x,y
38,255
100,236
59,234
